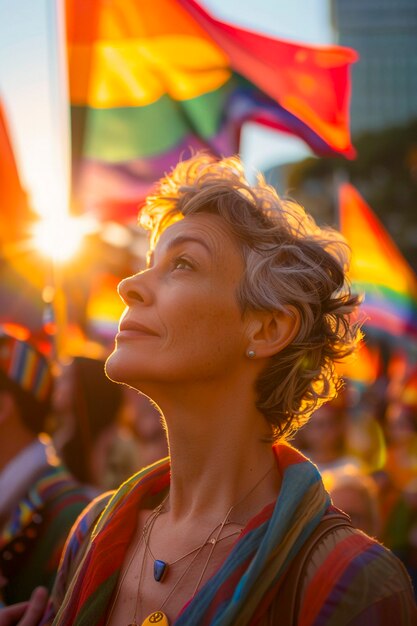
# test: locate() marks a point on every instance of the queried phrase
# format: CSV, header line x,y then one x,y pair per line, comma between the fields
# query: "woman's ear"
x,y
274,331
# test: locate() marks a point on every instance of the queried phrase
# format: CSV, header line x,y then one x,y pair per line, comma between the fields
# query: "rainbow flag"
x,y
378,269
152,81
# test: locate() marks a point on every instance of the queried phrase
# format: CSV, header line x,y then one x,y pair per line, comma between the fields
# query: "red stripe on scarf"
x,y
329,572
109,547
286,455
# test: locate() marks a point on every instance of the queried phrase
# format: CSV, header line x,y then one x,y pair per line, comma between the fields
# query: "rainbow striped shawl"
x,y
237,593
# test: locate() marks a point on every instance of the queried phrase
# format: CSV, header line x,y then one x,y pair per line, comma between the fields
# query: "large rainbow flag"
x,y
151,81
378,269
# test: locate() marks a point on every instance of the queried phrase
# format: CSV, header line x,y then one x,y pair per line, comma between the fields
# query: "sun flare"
x,y
60,237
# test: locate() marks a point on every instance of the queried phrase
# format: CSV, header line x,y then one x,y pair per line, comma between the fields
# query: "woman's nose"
x,y
133,289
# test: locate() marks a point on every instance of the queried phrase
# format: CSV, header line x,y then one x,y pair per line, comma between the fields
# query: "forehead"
x,y
210,231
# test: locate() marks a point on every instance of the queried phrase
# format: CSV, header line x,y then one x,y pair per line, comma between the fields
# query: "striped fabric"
x,y
151,81
261,556
359,580
242,591
22,363
35,534
267,546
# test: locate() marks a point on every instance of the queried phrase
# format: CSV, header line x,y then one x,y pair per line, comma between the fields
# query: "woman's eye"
x,y
182,264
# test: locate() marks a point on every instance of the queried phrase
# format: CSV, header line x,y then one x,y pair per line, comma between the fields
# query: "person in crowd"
x,y
232,330
355,492
324,439
143,419
401,434
87,407
39,499
398,479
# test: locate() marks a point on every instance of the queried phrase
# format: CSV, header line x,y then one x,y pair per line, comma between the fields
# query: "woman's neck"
x,y
218,454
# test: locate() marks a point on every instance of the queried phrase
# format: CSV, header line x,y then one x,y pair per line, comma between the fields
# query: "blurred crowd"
x,y
104,432
365,444
67,434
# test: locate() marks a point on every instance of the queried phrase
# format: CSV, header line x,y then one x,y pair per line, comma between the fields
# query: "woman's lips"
x,y
131,328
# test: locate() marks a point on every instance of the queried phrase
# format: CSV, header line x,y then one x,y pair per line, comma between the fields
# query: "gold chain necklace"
x,y
160,568
159,617
148,524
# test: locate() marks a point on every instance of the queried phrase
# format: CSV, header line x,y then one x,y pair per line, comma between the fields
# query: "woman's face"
x,y
182,321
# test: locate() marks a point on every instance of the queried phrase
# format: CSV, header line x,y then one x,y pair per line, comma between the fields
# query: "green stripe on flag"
x,y
402,300
126,133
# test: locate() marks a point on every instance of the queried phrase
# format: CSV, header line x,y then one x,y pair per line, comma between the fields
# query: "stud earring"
x,y
251,354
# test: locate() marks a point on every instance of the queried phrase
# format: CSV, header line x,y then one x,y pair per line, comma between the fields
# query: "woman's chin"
x,y
120,370
113,368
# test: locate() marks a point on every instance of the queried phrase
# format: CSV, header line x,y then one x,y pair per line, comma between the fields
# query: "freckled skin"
x,y
188,299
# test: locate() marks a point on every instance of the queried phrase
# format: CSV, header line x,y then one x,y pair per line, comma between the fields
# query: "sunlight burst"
x,y
59,237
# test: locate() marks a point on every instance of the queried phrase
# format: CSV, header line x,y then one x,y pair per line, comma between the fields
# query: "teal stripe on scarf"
x,y
257,563
263,541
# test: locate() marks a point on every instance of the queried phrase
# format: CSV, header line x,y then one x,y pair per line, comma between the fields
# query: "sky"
x,y
34,91
34,95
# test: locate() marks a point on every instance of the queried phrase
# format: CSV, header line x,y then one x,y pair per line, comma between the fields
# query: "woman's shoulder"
x,y
90,524
74,550
86,522
359,578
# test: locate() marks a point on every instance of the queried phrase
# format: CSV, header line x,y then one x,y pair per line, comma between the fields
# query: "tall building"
x,y
384,80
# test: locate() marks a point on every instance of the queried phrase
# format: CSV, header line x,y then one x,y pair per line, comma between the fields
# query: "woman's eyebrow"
x,y
181,239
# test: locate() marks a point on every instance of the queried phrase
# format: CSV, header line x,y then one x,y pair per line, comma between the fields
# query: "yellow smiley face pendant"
x,y
157,617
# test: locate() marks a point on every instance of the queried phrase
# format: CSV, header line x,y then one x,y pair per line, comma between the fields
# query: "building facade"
x,y
384,80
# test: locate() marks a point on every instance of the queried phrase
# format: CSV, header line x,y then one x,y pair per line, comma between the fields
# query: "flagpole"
x,y
339,177
56,301
55,315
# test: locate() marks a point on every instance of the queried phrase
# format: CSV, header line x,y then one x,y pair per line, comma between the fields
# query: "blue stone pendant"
x,y
159,570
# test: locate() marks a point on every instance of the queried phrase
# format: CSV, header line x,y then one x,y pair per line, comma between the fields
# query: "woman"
x,y
232,330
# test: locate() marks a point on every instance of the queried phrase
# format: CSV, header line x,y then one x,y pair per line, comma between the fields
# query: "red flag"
x,y
310,83
15,214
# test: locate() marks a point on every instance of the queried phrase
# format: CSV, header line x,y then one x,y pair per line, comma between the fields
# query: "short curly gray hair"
x,y
290,262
